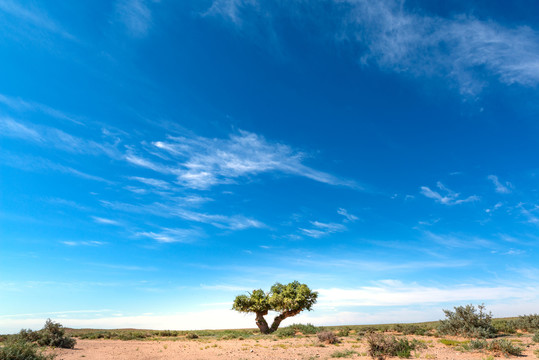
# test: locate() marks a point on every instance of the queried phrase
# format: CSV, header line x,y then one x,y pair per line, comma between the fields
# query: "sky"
x,y
159,158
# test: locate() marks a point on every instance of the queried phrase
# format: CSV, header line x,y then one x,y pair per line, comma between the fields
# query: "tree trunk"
x,y
262,323
281,317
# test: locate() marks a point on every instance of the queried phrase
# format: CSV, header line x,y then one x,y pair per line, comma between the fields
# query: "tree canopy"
x,y
288,300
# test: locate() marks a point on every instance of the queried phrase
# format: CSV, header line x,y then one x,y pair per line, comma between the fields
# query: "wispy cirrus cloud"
x,y
83,243
200,163
19,104
105,221
38,164
136,16
347,215
167,235
463,49
499,187
179,209
449,197
51,137
34,17
321,229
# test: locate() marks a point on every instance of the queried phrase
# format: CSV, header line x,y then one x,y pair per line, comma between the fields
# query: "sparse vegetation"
x,y
499,346
16,348
52,334
305,329
328,337
535,337
343,354
381,346
469,322
527,322
285,332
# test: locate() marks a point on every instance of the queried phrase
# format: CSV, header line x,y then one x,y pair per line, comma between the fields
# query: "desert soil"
x,y
302,348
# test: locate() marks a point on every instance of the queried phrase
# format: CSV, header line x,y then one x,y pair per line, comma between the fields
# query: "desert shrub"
x,y
505,347
29,335
467,321
410,329
344,331
504,326
167,333
191,336
381,346
327,337
17,348
285,332
305,329
53,334
343,354
475,345
527,322
535,337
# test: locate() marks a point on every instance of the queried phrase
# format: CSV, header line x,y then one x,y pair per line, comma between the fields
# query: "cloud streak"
x,y
201,163
390,35
449,198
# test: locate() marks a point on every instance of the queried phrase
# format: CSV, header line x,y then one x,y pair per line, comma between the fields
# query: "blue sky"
x,y
159,158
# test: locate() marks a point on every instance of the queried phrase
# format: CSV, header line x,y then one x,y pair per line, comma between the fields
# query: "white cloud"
x,y
83,243
55,138
500,188
322,229
34,17
201,163
177,209
450,197
406,40
135,15
19,104
105,221
166,235
347,215
459,241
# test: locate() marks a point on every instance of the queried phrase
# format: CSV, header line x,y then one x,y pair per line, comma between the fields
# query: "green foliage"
x,y
288,300
282,298
328,337
344,331
467,321
52,334
285,332
343,354
381,346
305,329
410,329
527,322
505,347
191,336
504,326
17,348
501,346
535,337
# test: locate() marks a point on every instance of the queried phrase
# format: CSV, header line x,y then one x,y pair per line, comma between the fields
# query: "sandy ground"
x,y
304,348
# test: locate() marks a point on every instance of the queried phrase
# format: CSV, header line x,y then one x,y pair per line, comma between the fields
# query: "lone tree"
x,y
288,300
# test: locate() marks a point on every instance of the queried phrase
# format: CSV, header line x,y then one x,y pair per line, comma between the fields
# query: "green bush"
x,y
191,336
327,337
535,337
504,326
527,322
467,321
343,332
17,348
305,329
381,346
53,334
505,347
343,354
285,332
